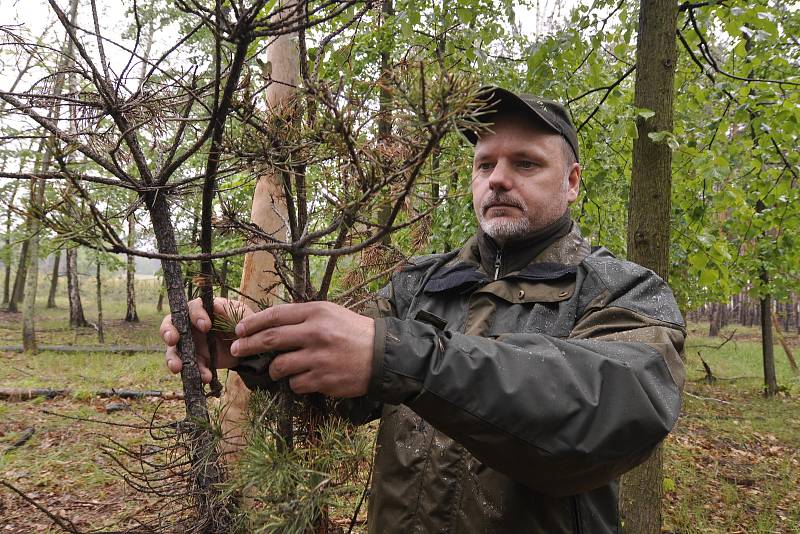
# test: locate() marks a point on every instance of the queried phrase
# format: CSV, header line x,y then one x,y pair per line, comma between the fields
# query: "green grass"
x,y
62,465
734,454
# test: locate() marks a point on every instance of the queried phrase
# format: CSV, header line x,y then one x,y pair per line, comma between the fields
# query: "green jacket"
x,y
512,403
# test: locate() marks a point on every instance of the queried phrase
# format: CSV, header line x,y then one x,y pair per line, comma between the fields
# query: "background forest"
x,y
138,136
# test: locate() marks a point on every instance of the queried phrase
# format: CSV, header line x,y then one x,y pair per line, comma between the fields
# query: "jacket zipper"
x,y
497,262
576,513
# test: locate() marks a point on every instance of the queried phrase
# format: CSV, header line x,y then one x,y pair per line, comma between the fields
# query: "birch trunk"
x,y
130,275
259,277
9,249
31,285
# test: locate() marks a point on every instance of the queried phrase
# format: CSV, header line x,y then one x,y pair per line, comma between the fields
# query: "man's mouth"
x,y
499,205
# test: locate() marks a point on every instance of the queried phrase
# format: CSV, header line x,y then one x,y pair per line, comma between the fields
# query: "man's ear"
x,y
573,183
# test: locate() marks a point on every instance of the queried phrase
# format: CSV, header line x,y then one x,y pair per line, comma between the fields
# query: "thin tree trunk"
x,y
31,284
130,274
100,335
206,472
649,215
385,112
713,319
207,207
9,248
796,304
189,284
787,315
786,348
743,307
223,278
767,347
160,303
19,280
76,316
51,297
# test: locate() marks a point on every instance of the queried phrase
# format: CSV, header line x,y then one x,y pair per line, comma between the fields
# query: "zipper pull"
x,y
497,261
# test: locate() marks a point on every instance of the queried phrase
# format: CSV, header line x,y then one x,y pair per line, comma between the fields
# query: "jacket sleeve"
x,y
562,416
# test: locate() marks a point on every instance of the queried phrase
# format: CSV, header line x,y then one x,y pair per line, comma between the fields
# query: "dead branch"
x,y
20,441
20,394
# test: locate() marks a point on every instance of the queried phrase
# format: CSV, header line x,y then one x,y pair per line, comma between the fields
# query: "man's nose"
x,y
501,177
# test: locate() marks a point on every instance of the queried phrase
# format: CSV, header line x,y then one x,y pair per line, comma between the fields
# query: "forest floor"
x,y
732,465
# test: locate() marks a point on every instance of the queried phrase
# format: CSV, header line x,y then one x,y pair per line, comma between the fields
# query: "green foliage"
x,y
288,490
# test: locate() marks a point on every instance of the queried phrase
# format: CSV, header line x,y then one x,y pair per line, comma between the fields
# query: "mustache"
x,y
496,199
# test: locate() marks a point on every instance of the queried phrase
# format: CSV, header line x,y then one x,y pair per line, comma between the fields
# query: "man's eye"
x,y
526,164
485,166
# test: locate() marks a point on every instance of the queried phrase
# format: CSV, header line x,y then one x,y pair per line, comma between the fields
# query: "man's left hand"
x,y
324,347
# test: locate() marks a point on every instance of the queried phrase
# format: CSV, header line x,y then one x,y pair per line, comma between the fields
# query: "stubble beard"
x,y
512,227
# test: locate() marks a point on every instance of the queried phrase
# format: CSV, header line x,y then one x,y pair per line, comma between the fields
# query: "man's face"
x,y
521,181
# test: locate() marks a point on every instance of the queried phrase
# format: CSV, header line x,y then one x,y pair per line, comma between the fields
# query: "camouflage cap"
x,y
547,113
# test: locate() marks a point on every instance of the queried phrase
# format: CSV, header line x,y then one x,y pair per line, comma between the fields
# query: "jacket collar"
x,y
515,255
553,256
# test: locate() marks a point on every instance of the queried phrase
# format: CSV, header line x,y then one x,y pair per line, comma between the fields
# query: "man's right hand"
x,y
200,327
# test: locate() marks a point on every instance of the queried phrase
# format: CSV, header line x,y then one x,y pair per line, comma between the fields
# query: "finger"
x,y
278,338
303,383
289,364
174,363
282,314
205,373
168,332
198,315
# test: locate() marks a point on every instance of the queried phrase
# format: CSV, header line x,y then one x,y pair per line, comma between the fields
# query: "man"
x,y
518,376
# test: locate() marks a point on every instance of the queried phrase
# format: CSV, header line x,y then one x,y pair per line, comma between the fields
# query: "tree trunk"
x,y
385,112
31,284
649,215
100,335
76,316
223,279
51,297
9,248
786,348
743,300
19,280
130,274
713,319
796,301
47,147
787,315
259,284
189,284
767,347
206,473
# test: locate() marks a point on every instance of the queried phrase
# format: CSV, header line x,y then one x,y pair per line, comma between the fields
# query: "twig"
x,y
22,440
64,523
706,398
